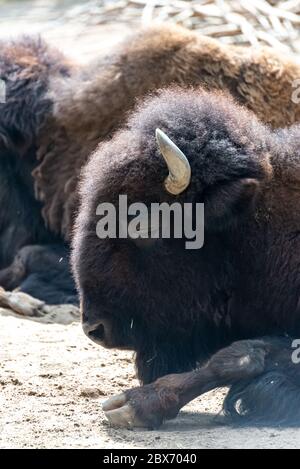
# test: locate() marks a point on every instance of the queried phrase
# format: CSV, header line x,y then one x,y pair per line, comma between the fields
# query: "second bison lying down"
x,y
181,309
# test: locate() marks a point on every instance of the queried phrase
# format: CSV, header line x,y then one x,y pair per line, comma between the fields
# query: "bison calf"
x,y
180,309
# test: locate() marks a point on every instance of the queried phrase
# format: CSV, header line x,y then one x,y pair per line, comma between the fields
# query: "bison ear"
x,y
226,203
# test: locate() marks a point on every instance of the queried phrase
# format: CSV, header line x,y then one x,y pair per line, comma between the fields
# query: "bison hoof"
x,y
21,303
145,406
120,413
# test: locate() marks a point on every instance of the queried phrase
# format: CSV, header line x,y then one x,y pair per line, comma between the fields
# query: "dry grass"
x,y
249,22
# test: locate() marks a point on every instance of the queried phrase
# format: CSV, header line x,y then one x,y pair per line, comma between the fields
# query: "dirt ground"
x,y
53,381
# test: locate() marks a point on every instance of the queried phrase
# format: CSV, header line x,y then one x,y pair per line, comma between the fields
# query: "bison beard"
x,y
219,316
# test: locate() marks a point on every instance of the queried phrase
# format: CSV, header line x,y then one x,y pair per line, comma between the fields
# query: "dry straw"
x,y
248,22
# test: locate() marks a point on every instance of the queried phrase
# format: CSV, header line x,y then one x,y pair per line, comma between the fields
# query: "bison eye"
x,y
142,231
145,243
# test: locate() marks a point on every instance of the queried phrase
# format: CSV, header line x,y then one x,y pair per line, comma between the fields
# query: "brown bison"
x,y
56,113
222,315
31,257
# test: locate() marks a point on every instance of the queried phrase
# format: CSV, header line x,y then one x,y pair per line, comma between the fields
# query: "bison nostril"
x,y
97,334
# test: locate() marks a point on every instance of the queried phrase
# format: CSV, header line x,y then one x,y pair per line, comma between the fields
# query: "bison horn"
x,y
179,168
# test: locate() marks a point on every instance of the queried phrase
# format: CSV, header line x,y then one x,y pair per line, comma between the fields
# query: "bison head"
x,y
154,296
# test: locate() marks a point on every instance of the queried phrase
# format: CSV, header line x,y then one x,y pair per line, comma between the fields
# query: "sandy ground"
x,y
53,381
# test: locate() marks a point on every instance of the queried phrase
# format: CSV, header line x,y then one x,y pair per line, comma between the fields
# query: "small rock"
x,y
93,393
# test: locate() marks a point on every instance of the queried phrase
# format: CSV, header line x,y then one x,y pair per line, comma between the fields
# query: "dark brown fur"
x,y
26,67
56,114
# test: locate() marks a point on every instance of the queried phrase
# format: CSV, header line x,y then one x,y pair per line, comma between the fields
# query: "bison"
x,y
31,256
223,315
57,112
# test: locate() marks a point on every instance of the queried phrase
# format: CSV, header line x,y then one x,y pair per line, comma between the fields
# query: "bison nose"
x,y
99,332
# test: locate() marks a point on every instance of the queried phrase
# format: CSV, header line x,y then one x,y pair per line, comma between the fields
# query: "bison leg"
x,y
21,303
242,365
25,305
43,272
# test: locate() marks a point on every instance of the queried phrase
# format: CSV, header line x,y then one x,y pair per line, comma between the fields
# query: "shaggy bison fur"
x,y
94,101
223,315
56,113
27,67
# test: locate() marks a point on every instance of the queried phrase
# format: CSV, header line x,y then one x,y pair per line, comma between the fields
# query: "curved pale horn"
x,y
178,165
